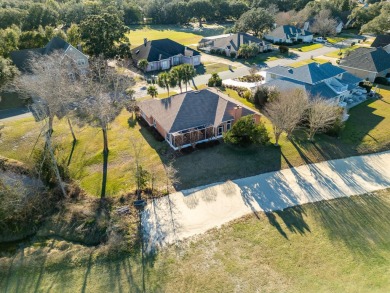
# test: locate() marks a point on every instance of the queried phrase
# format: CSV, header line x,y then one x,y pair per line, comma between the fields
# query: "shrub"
x,y
381,80
247,95
336,129
263,94
212,51
283,49
367,85
244,132
218,81
214,80
353,44
233,54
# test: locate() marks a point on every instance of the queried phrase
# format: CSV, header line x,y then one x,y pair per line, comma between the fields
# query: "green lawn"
x,y
308,61
341,245
180,34
335,54
306,47
209,68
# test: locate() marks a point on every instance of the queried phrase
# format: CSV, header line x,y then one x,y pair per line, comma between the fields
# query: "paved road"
x,y
190,212
244,70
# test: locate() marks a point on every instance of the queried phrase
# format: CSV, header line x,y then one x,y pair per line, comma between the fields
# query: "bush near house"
x,y
367,85
283,49
245,132
381,80
215,80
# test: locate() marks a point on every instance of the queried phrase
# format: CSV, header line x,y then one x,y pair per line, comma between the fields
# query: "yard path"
x,y
191,212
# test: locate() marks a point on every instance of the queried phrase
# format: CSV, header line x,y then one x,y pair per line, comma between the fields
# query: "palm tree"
x,y
143,64
177,75
152,91
188,73
167,80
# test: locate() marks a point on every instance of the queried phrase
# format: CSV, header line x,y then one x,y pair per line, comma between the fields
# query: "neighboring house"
x,y
164,53
231,43
382,41
289,34
21,58
193,117
367,63
307,25
326,80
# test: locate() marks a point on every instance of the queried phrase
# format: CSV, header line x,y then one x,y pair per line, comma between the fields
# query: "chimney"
x,y
237,113
159,57
79,47
145,41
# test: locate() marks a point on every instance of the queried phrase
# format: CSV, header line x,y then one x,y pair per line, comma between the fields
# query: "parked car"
x,y
320,40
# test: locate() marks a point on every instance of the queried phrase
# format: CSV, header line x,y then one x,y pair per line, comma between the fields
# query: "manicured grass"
x,y
165,95
308,61
209,68
306,47
335,54
334,40
180,34
341,245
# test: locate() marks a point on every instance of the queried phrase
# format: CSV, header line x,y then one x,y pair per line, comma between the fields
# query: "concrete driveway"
x,y
184,214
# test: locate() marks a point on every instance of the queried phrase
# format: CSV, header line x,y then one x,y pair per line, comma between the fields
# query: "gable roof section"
x,y
21,58
164,48
288,31
310,73
368,59
381,41
191,109
233,40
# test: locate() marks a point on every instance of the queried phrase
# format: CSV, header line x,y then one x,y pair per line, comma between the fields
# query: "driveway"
x,y
184,214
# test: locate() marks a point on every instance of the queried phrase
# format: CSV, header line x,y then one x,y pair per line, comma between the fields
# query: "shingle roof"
x,y
191,109
381,41
322,89
368,59
20,58
233,40
288,31
311,73
160,49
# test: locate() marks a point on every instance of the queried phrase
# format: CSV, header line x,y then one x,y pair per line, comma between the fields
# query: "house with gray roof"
x,y
193,117
164,53
367,63
326,80
382,41
231,43
21,58
289,34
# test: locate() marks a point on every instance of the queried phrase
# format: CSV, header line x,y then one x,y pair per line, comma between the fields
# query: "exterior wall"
x,y
306,38
274,40
79,58
173,61
339,27
361,73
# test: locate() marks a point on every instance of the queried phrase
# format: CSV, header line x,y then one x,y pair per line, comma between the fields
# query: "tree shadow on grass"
x,y
359,222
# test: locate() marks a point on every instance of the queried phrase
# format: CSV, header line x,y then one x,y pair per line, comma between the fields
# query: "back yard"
x,y
366,131
341,245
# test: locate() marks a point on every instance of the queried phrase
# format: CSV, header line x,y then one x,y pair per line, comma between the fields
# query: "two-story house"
x,y
289,34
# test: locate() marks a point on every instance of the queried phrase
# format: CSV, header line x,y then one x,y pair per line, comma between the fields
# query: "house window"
x,y
254,120
220,130
228,125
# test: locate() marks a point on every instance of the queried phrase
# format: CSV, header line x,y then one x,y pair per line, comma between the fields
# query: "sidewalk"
x,y
184,214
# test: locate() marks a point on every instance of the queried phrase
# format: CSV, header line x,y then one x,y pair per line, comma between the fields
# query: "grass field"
x,y
367,130
335,54
180,34
341,245
209,68
308,61
306,47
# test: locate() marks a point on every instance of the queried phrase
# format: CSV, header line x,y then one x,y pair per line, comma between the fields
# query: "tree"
x,y
101,32
244,51
104,95
321,115
215,80
324,24
380,24
245,132
188,73
11,16
40,15
73,35
7,71
178,74
286,111
256,20
152,91
9,40
200,9
166,80
143,64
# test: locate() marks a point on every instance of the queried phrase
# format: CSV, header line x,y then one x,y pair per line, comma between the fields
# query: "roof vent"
x,y
290,70
196,92
136,52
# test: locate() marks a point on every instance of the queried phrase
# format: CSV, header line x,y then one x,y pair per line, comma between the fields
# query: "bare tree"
x,y
321,115
324,24
286,111
104,93
171,176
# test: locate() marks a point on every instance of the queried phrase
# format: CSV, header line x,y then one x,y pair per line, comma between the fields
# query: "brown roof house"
x,y
193,117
